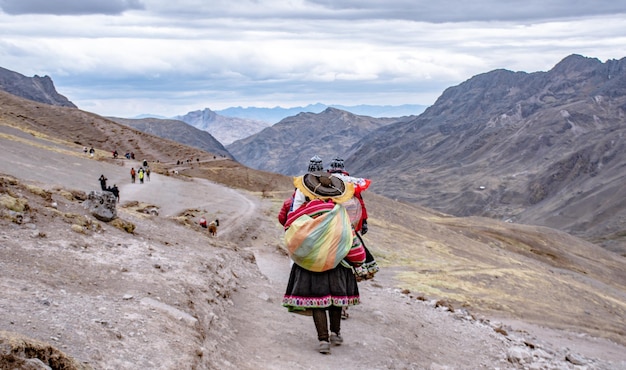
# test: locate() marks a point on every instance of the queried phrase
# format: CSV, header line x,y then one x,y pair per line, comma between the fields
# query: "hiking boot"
x,y
336,339
324,347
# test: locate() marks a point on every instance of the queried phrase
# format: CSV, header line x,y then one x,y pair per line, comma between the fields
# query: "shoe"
x,y
324,347
336,339
344,313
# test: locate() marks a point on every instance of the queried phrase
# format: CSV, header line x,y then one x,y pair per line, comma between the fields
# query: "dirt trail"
x,y
389,330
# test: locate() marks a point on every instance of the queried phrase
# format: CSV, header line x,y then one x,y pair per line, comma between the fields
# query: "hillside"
x,y
287,146
452,293
536,148
178,131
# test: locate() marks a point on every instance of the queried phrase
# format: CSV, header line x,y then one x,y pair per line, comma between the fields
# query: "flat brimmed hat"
x,y
322,185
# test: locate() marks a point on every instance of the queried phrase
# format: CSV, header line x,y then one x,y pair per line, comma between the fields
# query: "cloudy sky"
x,y
129,57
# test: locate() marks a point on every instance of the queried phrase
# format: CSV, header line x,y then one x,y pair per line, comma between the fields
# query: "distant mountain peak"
x,y
39,89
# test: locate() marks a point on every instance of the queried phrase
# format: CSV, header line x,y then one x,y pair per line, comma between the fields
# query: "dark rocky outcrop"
x,y
39,89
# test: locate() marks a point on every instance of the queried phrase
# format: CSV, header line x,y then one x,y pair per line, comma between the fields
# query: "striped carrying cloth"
x,y
319,235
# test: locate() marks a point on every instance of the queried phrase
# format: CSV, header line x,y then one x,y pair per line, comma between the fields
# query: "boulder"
x,y
101,204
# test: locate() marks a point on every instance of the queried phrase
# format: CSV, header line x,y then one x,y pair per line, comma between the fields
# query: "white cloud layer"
x,y
129,57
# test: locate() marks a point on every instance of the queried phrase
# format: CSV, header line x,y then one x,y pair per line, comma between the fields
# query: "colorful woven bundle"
x,y
319,244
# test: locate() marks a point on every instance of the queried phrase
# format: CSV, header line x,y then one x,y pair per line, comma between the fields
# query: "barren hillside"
x,y
453,293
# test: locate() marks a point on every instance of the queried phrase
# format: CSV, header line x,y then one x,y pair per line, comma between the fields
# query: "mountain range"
x,y
276,114
541,148
236,123
160,279
287,146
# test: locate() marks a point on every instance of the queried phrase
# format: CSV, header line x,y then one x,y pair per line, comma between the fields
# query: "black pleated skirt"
x,y
307,289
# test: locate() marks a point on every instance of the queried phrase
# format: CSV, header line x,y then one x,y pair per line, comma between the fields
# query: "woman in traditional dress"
x,y
323,245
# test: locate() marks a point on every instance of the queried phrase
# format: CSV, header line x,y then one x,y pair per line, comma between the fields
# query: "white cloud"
x,y
173,56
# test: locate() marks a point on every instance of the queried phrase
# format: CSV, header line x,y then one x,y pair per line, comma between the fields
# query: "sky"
x,y
126,58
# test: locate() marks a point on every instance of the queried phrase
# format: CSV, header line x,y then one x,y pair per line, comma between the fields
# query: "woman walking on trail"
x,y
323,245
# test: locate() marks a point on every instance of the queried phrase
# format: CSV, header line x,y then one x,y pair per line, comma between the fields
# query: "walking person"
x,y
324,248
141,173
132,175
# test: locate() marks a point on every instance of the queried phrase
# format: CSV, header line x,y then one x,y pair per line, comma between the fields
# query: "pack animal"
x,y
213,227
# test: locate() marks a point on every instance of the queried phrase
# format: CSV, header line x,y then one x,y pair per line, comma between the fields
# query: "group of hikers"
x,y
143,173
324,221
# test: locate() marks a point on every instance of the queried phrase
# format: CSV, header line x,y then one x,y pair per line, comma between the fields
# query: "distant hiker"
x,y
132,155
319,281
115,154
85,150
92,151
132,175
145,163
103,182
203,222
141,173
148,173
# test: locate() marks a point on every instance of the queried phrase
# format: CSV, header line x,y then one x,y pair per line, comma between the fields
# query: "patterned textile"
x,y
319,239
307,289
313,208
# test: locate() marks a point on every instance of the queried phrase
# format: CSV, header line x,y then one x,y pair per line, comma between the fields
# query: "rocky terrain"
x,y
34,88
152,290
537,148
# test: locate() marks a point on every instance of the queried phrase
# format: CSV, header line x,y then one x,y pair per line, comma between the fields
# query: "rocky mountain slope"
x,y
36,88
541,148
287,146
452,292
535,148
178,131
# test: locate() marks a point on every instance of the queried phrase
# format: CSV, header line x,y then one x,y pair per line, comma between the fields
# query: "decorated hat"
x,y
315,164
321,185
